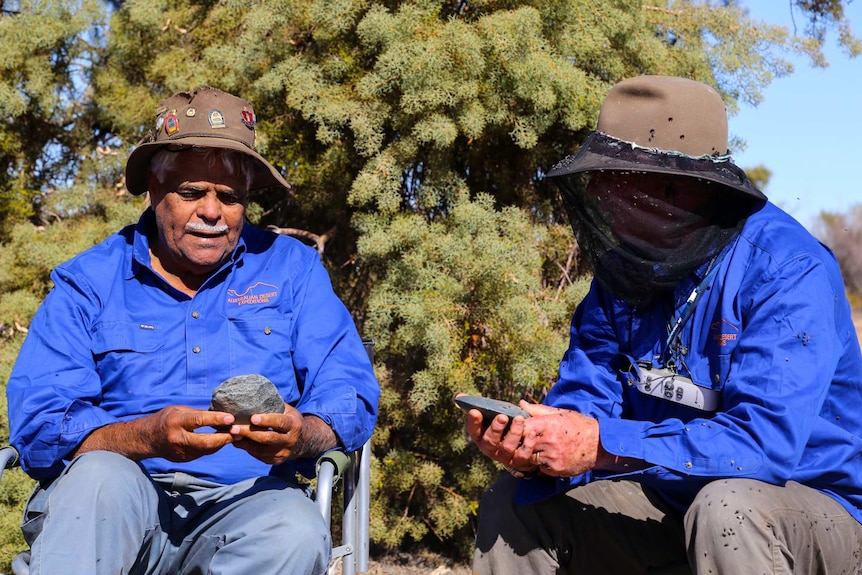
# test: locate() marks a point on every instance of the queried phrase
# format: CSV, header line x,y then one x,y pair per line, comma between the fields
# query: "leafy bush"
x,y
460,305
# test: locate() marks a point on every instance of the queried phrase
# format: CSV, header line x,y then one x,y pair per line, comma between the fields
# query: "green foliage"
x,y
460,305
45,127
822,15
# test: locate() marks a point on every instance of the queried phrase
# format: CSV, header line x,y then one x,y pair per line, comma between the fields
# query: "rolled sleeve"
x,y
54,387
337,380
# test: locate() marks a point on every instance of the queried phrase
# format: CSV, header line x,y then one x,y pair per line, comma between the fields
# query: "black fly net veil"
x,y
644,232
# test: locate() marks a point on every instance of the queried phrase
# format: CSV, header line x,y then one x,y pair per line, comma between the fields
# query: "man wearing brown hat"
x,y
706,409
109,398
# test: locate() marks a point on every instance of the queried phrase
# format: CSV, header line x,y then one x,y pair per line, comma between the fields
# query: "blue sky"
x,y
808,128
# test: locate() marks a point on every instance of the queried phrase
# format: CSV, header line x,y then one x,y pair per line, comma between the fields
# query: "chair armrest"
x,y
331,466
8,459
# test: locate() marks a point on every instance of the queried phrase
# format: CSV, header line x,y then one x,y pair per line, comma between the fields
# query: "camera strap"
x,y
688,309
662,381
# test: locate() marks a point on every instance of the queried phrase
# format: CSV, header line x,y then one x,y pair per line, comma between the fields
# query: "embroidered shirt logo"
x,y
723,331
259,293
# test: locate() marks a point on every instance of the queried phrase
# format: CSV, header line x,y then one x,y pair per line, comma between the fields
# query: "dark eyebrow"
x,y
187,187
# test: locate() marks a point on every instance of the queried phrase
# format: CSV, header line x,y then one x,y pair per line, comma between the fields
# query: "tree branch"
x,y
319,240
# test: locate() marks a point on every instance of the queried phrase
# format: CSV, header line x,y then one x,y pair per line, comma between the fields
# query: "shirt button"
x,y
196,349
267,330
688,465
196,314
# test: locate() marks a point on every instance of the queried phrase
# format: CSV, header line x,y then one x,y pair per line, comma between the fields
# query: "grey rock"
x,y
245,395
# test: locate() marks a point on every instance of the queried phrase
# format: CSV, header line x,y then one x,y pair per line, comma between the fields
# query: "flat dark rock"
x,y
244,395
490,407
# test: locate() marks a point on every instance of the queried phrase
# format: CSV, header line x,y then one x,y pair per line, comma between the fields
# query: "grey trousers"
x,y
105,515
618,527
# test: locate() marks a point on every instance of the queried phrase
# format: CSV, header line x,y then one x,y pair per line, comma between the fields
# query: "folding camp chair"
x,y
352,471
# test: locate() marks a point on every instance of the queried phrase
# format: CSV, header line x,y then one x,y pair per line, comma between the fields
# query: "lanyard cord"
x,y
690,304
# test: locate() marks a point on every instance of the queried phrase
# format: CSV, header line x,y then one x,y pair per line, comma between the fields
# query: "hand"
x,y
169,433
565,443
513,448
271,437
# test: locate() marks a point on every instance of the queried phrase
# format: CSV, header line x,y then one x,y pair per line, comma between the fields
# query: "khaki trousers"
x,y
609,527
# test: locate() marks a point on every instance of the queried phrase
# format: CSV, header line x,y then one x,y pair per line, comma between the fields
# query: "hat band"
x,y
208,135
652,150
622,152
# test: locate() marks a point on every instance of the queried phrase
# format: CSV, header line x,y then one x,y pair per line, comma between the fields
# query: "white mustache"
x,y
198,227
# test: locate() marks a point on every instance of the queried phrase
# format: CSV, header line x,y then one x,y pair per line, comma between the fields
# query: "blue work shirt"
x,y
113,341
773,335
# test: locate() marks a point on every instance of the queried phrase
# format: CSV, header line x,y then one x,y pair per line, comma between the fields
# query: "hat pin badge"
x,y
172,125
216,119
248,118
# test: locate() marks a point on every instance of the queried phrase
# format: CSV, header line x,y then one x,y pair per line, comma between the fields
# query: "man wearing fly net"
x,y
707,409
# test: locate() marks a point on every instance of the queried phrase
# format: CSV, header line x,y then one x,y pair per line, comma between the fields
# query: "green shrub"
x,y
460,305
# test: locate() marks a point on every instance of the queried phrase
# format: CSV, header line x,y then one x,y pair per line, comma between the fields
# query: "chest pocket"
x,y
262,345
123,351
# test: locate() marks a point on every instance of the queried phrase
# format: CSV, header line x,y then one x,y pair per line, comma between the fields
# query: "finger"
x,y
284,422
547,435
205,443
514,435
266,437
523,455
500,441
275,421
199,418
489,436
474,425
253,448
256,434
493,434
270,454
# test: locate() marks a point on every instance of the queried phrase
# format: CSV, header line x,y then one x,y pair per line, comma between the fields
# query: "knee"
x,y
289,526
105,476
288,515
725,507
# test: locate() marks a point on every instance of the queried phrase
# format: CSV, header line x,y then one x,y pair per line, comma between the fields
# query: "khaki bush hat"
x,y
661,124
205,118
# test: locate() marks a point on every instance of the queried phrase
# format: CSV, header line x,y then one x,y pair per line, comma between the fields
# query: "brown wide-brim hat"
x,y
665,125
203,118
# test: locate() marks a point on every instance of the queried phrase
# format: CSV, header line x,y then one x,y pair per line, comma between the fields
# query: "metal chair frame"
x,y
354,470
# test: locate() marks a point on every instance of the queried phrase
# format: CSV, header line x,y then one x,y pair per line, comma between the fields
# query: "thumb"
x,y
536,409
